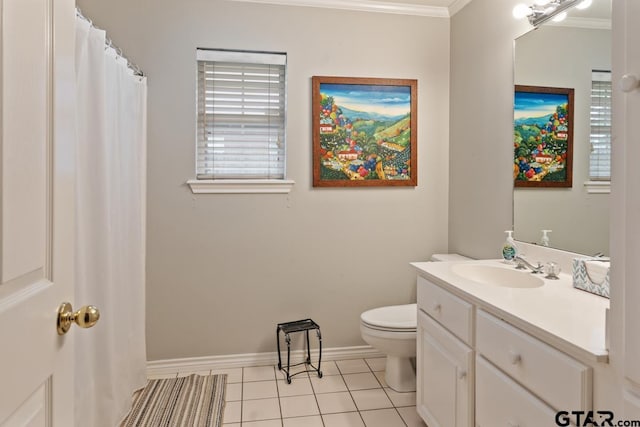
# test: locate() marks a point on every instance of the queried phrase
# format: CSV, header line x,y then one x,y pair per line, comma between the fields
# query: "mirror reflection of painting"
x,y
365,132
543,121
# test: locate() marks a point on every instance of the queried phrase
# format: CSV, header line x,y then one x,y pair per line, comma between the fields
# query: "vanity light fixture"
x,y
543,10
560,17
584,4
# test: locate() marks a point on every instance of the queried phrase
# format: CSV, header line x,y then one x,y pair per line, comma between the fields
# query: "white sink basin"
x,y
497,276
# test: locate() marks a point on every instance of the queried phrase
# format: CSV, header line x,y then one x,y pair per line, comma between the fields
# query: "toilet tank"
x,y
449,257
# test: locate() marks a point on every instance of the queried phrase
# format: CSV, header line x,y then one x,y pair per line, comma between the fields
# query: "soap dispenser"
x,y
544,240
509,249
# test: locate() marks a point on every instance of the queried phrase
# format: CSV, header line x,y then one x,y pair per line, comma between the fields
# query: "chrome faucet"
x,y
522,264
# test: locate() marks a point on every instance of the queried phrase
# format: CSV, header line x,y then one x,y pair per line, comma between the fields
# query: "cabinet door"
x,y
445,376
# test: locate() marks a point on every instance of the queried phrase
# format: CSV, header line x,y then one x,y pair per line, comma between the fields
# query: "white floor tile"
x,y
292,369
347,419
380,376
331,403
232,412
234,375
260,409
299,386
299,406
362,381
352,366
264,423
162,376
233,392
401,399
314,421
231,425
371,399
329,368
382,418
330,384
411,417
377,364
259,373
259,390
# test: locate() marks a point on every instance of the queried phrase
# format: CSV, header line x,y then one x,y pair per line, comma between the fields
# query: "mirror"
x,y
564,55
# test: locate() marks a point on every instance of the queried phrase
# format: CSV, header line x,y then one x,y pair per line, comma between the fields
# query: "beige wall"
x,y
224,269
480,173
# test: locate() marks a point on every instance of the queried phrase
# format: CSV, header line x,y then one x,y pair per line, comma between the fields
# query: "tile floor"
x,y
351,393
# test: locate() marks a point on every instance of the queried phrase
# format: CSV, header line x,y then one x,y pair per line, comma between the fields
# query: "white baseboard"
x,y
197,364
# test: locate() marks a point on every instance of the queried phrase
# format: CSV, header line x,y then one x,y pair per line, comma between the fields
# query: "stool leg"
x,y
319,353
288,339
308,349
278,343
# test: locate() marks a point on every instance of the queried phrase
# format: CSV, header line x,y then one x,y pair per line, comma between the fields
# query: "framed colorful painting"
x,y
543,137
364,132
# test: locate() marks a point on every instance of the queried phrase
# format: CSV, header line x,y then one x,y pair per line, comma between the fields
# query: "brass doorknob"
x,y
86,317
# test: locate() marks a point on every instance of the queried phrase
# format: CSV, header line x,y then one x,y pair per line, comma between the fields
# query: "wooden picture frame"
x,y
364,132
543,136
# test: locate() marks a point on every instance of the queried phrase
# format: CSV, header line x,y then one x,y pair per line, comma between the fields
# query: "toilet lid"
x,y
392,317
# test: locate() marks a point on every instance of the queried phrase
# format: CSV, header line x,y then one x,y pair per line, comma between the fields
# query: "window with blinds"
x,y
600,118
241,115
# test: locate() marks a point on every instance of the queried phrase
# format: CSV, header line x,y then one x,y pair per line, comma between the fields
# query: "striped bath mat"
x,y
193,401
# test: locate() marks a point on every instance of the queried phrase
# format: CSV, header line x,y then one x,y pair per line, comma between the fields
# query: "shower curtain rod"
x,y
109,44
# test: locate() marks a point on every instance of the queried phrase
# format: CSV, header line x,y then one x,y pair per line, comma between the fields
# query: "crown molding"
x,y
457,6
373,6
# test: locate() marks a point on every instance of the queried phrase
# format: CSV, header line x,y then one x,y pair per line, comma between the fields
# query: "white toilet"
x,y
392,331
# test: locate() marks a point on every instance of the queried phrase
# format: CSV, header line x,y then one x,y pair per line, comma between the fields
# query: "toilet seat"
x,y
394,318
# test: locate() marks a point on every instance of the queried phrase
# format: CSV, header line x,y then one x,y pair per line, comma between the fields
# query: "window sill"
x,y
240,186
598,187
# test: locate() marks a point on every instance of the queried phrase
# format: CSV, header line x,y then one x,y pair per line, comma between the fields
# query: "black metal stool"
x,y
287,328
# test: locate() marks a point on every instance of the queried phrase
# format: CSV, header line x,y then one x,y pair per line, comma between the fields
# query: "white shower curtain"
x,y
110,244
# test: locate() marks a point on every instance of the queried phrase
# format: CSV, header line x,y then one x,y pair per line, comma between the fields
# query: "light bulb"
x,y
521,10
560,17
584,4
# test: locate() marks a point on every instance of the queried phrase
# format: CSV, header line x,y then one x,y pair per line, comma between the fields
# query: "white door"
x,y
627,130
36,210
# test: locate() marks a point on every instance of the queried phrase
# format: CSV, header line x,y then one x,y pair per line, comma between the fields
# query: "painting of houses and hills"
x,y
541,137
365,132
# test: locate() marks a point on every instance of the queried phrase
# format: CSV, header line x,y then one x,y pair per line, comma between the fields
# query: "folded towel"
x,y
592,275
597,271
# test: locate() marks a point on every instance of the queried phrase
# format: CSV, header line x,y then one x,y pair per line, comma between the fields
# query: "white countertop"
x,y
566,318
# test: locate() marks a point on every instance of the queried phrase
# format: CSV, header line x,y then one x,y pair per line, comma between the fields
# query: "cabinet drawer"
x,y
500,401
557,379
449,310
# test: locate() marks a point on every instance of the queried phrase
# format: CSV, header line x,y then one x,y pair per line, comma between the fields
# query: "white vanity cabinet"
x,y
475,369
521,381
444,365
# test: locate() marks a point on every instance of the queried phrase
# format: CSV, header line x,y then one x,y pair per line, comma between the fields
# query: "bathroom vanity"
x,y
502,347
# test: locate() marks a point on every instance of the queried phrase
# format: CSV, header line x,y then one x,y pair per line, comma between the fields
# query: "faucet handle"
x,y
552,269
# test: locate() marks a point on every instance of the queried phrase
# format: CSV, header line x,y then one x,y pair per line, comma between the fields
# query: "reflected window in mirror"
x,y
600,137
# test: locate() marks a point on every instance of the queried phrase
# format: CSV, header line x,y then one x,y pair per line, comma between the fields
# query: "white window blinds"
x,y
600,159
241,115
